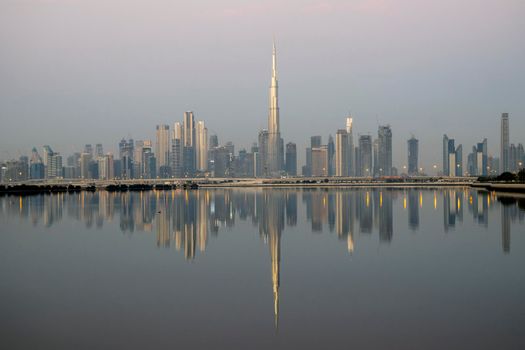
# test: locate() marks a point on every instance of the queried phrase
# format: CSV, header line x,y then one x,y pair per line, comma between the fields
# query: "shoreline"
x,y
63,186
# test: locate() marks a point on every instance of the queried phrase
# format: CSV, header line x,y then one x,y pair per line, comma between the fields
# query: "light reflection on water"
x,y
190,221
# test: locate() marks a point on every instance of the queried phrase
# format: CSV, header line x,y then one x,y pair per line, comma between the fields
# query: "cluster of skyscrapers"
x,y
187,151
479,162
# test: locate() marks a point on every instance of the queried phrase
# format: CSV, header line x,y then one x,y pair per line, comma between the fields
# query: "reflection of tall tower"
x,y
271,225
343,217
274,134
386,220
505,228
413,209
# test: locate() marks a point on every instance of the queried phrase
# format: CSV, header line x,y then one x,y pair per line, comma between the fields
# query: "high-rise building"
x,y
413,154
505,143
520,156
36,167
201,145
162,150
147,161
320,161
188,123
375,157
88,148
99,150
126,154
315,142
350,150
54,168
222,162
263,169
48,152
445,155
137,165
341,153
274,161
105,167
384,153
85,159
188,149
331,155
481,158
177,146
365,156
459,160
214,141
452,158
52,163
291,159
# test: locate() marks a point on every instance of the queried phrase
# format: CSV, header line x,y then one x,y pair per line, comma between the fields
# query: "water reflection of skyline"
x,y
185,220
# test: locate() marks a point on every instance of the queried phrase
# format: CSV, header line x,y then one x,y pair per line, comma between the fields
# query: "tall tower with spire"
x,y
274,161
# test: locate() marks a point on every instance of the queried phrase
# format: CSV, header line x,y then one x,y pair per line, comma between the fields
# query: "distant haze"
x,y
74,72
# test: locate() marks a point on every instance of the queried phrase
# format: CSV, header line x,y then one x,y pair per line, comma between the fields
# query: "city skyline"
x,y
326,72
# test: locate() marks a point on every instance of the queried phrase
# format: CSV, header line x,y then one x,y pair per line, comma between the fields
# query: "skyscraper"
x,y
188,123
341,153
365,155
188,150
291,159
504,146
384,139
413,153
350,150
320,161
459,160
274,160
126,155
99,150
445,155
201,145
331,155
482,158
176,150
263,153
162,150
36,169
452,158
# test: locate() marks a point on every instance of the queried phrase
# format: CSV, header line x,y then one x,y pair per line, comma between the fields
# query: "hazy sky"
x,y
93,71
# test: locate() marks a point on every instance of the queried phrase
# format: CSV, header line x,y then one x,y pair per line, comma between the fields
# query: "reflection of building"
x,y
505,227
270,228
413,208
344,223
364,211
479,204
452,208
386,218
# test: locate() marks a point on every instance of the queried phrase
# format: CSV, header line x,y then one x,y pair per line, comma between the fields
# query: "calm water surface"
x,y
263,268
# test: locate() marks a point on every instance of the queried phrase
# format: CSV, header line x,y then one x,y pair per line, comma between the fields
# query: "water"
x,y
269,269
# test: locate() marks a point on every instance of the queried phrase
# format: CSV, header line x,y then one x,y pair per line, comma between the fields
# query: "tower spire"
x,y
274,158
274,61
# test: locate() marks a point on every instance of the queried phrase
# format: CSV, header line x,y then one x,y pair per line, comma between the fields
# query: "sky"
x,y
74,72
